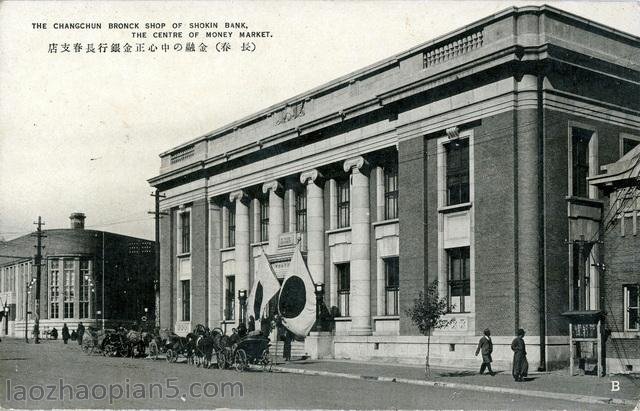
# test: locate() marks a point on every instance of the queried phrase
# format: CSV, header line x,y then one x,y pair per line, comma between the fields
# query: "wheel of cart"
x,y
265,360
240,361
172,356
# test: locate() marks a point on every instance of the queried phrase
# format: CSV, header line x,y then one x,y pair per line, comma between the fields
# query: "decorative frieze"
x,y
290,112
453,49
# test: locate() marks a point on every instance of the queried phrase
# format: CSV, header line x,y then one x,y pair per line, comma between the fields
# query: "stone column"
x,y
242,245
276,212
315,224
360,301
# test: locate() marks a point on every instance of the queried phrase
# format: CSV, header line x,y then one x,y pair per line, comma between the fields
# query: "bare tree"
x,y
426,313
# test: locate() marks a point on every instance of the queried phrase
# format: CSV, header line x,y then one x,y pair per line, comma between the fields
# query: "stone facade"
x,y
451,161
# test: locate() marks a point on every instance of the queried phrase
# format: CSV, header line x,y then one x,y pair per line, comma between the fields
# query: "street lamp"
x,y
319,291
242,297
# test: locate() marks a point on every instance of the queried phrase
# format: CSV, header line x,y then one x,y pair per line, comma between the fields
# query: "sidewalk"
x,y
555,384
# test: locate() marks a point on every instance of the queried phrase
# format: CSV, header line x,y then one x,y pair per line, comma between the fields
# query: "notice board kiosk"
x,y
586,350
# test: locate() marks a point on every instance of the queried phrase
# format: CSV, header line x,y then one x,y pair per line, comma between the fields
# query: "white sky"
x,y
58,111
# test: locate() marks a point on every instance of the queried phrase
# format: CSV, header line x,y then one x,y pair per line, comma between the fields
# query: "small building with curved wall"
x,y
87,276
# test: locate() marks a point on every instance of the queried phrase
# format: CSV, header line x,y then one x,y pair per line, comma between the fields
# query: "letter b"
x,y
615,386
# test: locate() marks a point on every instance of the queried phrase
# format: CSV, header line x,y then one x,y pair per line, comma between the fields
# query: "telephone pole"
x,y
38,262
157,215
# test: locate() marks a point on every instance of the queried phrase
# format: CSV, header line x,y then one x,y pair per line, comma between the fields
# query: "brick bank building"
x,y
464,160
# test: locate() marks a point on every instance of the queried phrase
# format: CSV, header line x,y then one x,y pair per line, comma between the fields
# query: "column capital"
x,y
238,195
274,185
310,176
359,163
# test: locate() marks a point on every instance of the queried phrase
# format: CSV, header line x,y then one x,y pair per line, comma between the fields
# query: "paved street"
x,y
33,366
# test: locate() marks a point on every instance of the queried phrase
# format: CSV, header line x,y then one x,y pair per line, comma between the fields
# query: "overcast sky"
x,y
82,132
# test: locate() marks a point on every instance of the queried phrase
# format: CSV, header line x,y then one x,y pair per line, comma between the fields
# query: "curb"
x,y
530,393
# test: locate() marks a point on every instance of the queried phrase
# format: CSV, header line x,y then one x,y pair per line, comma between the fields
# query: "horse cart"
x,y
250,350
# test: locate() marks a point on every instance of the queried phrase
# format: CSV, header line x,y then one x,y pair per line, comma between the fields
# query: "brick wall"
x,y
412,174
495,221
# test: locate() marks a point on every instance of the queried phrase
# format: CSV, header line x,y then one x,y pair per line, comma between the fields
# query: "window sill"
x,y
338,230
342,319
228,249
627,334
385,222
184,255
386,317
259,244
454,208
585,201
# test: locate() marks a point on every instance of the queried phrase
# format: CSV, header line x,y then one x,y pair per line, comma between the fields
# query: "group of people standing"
x,y
76,335
520,367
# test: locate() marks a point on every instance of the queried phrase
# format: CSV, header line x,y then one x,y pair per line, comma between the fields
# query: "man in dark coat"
x,y
486,347
80,332
65,333
520,364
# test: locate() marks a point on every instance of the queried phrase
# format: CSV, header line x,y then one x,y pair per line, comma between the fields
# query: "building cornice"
x,y
395,59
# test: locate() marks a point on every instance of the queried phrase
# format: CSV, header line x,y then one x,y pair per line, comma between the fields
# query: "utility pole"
x,y
157,215
38,262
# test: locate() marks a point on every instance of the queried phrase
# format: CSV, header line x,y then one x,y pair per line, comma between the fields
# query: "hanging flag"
x,y
297,301
265,286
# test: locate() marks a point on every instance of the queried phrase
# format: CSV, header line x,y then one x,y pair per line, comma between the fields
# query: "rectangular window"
x,y
301,210
390,192
632,307
457,178
85,287
459,279
186,300
54,289
229,298
628,144
264,219
344,286
392,285
343,203
69,287
232,225
580,139
185,226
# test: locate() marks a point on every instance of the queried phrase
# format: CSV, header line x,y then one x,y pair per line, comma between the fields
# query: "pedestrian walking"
x,y
520,364
65,333
80,332
485,346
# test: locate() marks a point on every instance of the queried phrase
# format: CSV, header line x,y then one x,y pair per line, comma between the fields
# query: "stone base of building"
x,y
319,345
625,366
16,329
454,351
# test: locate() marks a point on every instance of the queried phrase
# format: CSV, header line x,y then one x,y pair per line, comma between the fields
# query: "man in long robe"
x,y
520,364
